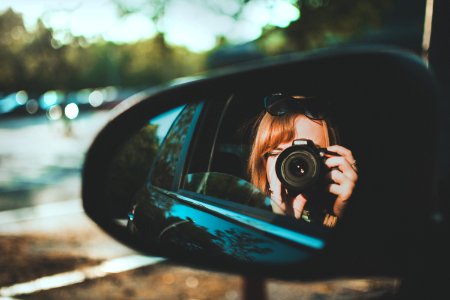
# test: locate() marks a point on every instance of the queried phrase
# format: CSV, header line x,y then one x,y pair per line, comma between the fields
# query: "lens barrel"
x,y
299,167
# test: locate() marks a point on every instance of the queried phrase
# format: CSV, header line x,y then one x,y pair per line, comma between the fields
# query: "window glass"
x,y
225,177
131,164
226,187
164,121
171,151
291,179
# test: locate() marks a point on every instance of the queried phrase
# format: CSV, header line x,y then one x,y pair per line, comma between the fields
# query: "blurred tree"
x,y
153,62
29,60
13,37
37,62
94,64
44,61
321,22
326,22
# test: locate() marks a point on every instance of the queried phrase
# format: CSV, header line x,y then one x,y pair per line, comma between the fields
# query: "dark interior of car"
x,y
236,132
234,138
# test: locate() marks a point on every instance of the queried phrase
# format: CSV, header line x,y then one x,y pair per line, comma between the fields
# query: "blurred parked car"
x,y
12,103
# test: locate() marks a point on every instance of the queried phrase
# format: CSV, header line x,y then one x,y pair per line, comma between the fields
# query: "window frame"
x,y
197,140
184,149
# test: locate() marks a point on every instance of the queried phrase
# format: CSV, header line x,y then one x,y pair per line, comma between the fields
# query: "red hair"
x,y
271,131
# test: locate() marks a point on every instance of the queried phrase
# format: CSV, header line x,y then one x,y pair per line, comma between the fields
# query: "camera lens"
x,y
298,167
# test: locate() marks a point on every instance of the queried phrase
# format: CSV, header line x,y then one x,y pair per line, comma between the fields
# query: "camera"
x,y
301,167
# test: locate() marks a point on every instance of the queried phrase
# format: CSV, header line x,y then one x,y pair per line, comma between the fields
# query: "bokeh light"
x,y
96,98
54,113
51,98
21,97
71,111
32,106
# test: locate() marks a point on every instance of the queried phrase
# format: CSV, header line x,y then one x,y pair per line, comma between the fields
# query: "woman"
x,y
288,118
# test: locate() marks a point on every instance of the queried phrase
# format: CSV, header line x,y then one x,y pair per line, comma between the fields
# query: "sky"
x,y
186,23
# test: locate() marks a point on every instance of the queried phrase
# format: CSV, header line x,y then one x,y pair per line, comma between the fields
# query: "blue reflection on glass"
x,y
164,121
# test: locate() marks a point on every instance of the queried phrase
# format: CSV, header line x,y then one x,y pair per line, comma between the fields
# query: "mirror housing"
x,y
387,105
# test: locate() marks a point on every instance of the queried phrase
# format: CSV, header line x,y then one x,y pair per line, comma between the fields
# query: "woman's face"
x,y
305,128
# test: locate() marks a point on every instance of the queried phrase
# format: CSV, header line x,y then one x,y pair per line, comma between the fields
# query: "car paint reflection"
x,y
159,219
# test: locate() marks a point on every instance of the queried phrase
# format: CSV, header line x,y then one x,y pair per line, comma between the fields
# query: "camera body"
x,y
301,169
301,166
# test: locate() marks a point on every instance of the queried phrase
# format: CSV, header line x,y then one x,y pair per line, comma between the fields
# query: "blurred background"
x,y
64,65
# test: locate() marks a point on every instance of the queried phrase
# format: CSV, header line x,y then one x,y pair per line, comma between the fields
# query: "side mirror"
x,y
168,176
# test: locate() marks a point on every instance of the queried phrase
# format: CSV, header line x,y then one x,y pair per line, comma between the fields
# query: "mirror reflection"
x,y
130,166
170,227
269,156
298,161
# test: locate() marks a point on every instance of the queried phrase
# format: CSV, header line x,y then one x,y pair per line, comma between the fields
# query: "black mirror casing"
x,y
386,106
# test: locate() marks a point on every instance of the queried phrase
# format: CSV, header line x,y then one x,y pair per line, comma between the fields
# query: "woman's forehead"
x,y
306,128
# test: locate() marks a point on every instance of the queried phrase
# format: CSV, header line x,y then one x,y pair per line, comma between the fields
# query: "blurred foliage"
x,y
36,62
327,22
322,23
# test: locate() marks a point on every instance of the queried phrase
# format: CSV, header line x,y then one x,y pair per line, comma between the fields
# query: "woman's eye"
x,y
273,153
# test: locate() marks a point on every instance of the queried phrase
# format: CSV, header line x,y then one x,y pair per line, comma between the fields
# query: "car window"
x,y
164,121
225,177
228,178
226,187
131,164
174,147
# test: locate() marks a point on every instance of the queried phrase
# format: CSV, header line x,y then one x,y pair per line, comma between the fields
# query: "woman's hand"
x,y
343,177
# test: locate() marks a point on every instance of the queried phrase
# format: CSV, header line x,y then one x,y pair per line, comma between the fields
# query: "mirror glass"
x,y
269,160
280,153
129,168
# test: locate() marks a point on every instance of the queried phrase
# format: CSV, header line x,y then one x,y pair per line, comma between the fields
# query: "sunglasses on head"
x,y
279,104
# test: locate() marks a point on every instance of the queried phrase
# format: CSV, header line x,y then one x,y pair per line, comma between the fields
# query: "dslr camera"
x,y
301,166
301,169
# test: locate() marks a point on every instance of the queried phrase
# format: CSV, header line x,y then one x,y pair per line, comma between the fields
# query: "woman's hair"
x,y
269,132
